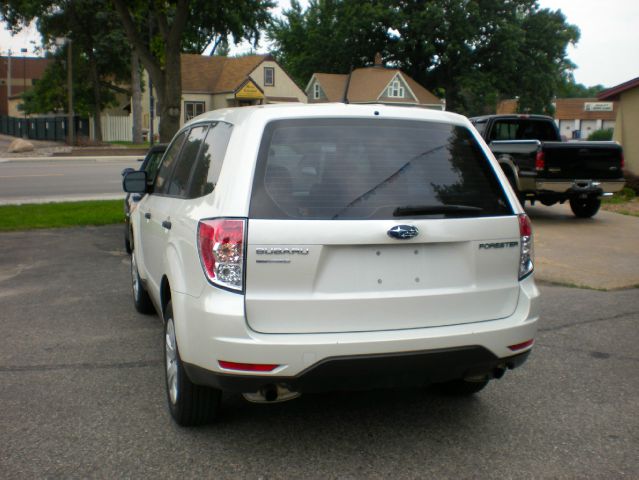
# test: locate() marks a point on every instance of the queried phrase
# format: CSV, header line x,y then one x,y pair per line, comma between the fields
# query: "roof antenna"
x,y
348,83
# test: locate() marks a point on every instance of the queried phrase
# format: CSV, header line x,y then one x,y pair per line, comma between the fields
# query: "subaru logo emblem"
x,y
403,232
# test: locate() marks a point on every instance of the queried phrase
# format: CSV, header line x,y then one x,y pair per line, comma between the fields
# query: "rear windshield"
x,y
518,129
372,169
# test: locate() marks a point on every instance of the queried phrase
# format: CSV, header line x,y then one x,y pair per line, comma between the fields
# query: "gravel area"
x,y
627,208
41,148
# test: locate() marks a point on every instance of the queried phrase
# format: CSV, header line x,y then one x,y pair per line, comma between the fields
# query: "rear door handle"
x,y
166,224
147,215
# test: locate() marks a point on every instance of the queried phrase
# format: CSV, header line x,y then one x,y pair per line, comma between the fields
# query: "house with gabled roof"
x,y
376,84
627,118
209,83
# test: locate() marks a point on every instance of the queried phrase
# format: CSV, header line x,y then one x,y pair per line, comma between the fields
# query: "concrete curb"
x,y
59,199
110,158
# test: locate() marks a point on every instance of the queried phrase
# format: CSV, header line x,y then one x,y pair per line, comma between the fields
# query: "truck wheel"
x,y
585,207
189,404
141,298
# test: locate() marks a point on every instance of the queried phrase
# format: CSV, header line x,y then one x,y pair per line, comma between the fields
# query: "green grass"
x,y
623,196
59,215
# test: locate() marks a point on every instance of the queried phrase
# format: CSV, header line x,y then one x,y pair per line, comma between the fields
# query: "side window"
x,y
480,126
269,76
152,166
161,181
182,172
209,162
193,109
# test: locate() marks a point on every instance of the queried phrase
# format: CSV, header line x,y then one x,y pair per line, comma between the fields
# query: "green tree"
x,y
329,36
475,51
568,88
159,30
101,53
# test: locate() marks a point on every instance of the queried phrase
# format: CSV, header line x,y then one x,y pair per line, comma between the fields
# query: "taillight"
x,y
623,162
525,246
248,367
540,161
221,248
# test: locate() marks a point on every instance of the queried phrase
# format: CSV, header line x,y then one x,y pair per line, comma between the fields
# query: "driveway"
x,y
82,392
599,252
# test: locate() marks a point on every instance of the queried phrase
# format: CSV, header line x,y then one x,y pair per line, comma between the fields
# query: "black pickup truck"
x,y
541,167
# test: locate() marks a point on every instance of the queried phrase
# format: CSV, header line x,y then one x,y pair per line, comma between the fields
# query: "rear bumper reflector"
x,y
247,367
521,346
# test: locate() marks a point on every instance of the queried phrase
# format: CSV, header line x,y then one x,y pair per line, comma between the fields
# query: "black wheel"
x,y
141,298
462,387
585,207
189,404
127,239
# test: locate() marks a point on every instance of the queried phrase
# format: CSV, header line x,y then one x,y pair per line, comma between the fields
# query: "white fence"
x,y
119,128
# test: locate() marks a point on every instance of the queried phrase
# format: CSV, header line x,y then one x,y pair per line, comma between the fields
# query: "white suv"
x,y
303,248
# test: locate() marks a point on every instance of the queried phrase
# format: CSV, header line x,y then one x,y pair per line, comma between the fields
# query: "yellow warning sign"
x,y
249,91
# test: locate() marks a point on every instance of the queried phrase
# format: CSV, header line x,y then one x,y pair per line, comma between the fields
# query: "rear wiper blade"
x,y
436,210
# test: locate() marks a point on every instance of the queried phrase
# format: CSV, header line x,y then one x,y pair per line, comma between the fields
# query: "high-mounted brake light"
x,y
540,161
525,247
221,249
247,367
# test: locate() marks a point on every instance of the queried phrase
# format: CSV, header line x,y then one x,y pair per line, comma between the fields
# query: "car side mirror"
x,y
135,182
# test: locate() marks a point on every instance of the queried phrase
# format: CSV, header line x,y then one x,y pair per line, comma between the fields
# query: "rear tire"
x,y
585,207
141,298
189,404
462,388
127,239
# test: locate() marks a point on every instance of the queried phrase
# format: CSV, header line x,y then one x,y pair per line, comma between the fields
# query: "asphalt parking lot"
x,y
82,394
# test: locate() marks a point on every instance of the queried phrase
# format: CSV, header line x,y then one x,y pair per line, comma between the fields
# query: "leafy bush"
x,y
601,135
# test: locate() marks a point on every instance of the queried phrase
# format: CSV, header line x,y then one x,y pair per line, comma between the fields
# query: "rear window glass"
x,y
372,169
518,129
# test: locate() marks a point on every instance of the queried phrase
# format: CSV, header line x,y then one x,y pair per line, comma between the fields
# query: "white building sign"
x,y
598,106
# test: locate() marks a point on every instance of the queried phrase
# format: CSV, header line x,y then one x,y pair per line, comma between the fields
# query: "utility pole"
x,y
9,76
25,133
70,122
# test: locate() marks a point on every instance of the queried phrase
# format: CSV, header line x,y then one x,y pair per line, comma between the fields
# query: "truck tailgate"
x,y
582,160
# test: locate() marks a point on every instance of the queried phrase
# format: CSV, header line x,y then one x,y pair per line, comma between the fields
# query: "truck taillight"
x,y
221,248
525,246
540,161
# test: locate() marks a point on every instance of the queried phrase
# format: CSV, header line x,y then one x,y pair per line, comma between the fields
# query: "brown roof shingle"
x,y
367,85
216,74
333,85
614,92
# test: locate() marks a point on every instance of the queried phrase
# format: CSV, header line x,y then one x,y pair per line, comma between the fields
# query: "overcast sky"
x,y
607,53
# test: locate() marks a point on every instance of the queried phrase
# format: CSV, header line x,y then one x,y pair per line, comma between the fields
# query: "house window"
x,y
193,109
316,91
396,89
269,76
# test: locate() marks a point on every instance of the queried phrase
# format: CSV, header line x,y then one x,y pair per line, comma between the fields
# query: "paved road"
x,y
25,181
598,252
82,395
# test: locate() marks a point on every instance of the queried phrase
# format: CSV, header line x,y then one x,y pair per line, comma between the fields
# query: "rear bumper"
x,y
579,186
212,327
364,372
